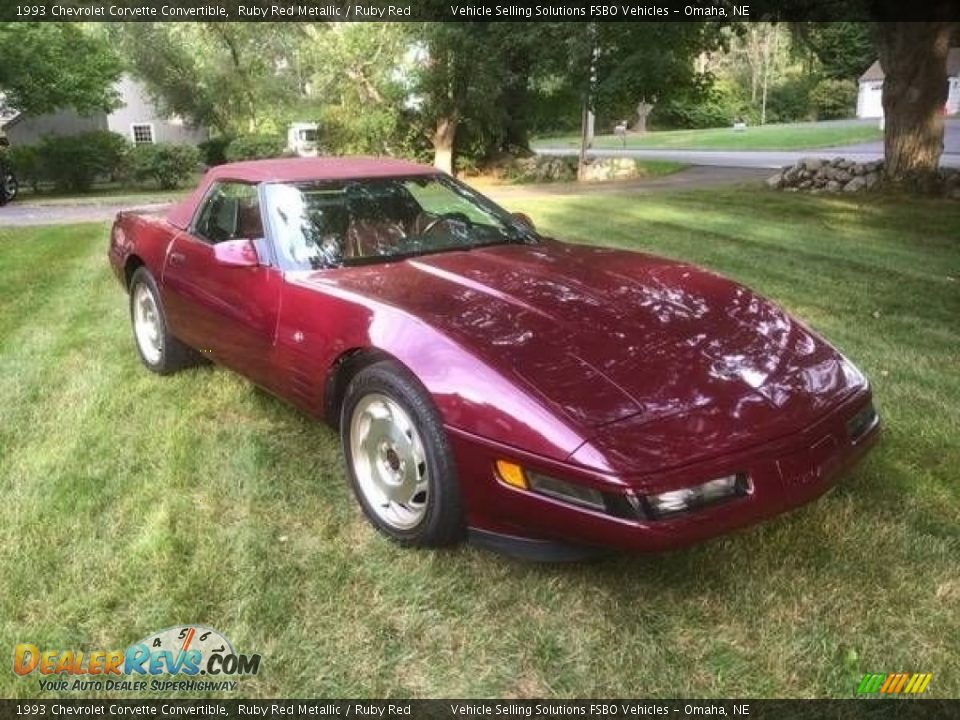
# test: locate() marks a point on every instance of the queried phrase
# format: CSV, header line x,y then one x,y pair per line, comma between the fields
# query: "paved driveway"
x,y
26,213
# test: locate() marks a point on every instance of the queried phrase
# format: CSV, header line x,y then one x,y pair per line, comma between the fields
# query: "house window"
x,y
142,134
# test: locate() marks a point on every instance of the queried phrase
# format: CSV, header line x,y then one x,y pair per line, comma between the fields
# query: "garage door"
x,y
870,100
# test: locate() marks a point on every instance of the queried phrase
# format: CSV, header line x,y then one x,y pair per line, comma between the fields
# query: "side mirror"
x,y
236,253
524,219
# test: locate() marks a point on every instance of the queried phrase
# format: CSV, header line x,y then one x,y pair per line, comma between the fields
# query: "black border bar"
x,y
475,10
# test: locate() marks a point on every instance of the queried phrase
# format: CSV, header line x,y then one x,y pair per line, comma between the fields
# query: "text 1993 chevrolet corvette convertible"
x,y
539,396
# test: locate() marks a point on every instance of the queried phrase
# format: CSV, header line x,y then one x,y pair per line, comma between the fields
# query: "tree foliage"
x,y
844,49
47,66
235,77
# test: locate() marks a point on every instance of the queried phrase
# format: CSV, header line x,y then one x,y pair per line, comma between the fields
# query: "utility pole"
x,y
586,116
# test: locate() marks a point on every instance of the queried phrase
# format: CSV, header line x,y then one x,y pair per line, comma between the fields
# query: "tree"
x,y
643,60
619,65
913,56
458,83
236,77
914,61
361,71
47,66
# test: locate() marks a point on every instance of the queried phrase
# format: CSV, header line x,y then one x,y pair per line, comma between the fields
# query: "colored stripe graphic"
x,y
894,683
870,684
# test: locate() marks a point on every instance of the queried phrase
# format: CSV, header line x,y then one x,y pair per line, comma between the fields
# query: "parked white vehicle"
x,y
302,139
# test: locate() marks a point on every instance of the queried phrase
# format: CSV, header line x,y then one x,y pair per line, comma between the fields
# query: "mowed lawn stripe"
x,y
135,502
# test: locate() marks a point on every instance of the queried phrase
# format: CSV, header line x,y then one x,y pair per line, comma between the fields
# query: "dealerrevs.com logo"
x,y
150,664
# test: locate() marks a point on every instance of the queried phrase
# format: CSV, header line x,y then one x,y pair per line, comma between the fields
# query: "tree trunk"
x,y
913,56
643,112
443,138
582,156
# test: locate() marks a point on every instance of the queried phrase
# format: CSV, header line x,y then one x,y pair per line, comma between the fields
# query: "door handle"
x,y
177,258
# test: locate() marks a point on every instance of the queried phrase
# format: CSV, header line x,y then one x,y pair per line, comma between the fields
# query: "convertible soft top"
x,y
293,170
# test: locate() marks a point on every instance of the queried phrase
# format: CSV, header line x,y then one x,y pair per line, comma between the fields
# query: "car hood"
x,y
604,335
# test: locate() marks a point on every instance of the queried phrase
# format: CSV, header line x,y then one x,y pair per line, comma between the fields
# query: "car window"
x,y
329,223
231,211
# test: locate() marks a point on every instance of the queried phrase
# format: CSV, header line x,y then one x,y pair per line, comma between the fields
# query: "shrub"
x,y
73,162
834,99
255,147
214,151
790,100
719,104
25,161
166,164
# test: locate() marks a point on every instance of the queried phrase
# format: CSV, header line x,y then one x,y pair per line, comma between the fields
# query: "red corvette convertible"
x,y
545,399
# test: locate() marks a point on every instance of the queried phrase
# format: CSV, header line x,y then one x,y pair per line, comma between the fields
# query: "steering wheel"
x,y
446,217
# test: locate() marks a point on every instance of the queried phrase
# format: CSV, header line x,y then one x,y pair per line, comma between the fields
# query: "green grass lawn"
x,y
132,502
793,136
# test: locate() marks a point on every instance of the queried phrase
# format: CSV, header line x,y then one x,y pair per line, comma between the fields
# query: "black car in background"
x,y
8,181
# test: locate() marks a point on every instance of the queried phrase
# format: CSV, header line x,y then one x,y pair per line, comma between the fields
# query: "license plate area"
x,y
809,467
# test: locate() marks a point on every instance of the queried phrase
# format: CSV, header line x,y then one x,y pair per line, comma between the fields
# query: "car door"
x,y
218,298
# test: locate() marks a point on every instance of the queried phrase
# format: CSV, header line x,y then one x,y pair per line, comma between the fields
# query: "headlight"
x,y
626,505
690,498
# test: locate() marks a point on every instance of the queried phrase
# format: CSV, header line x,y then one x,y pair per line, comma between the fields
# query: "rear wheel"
x,y
160,351
398,458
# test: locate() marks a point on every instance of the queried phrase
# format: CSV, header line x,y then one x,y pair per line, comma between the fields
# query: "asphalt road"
x,y
863,152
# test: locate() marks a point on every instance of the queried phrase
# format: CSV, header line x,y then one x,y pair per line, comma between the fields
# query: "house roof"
x,y
874,73
293,170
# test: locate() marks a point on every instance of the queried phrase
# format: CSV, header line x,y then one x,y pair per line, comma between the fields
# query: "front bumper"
x,y
784,474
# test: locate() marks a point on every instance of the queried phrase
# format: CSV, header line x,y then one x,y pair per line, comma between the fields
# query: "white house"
x,y
137,119
869,104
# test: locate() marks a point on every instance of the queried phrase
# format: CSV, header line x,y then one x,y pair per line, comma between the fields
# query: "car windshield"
x,y
331,223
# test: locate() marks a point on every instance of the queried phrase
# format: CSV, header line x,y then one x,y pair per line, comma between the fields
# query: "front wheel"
x,y
10,186
160,351
398,458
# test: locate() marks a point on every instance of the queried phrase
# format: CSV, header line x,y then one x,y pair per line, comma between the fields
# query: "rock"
x,y
841,176
856,184
610,169
833,186
874,165
775,181
870,180
954,193
805,185
790,189
811,164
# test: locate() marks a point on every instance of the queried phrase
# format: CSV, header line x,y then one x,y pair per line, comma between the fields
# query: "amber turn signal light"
x,y
511,474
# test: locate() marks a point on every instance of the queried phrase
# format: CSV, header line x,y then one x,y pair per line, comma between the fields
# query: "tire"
x,y
10,186
159,351
398,458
